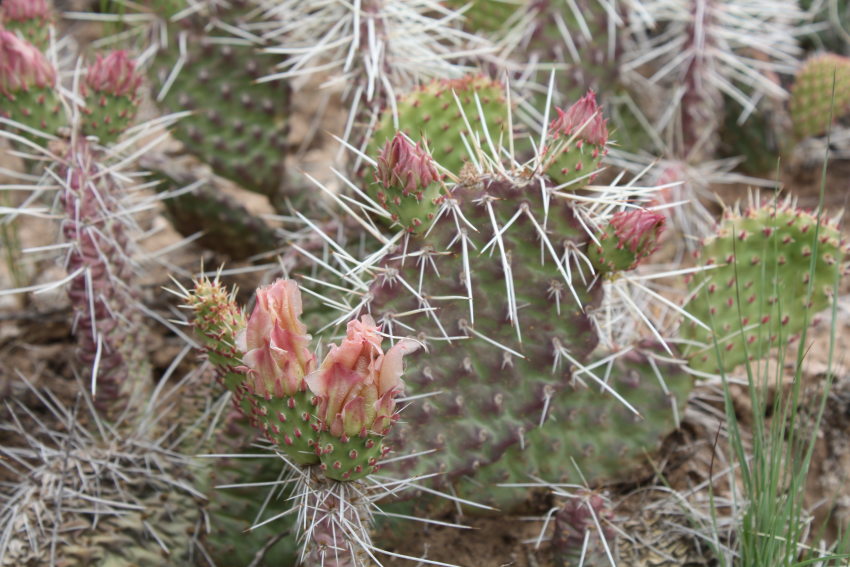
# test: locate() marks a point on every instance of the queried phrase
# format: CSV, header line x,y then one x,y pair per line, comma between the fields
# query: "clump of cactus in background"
x,y
821,90
771,266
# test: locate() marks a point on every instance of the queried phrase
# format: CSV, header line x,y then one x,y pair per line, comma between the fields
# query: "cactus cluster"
x,y
487,303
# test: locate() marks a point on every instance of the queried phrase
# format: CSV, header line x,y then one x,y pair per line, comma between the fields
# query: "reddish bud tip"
x,y
401,164
584,118
114,74
22,65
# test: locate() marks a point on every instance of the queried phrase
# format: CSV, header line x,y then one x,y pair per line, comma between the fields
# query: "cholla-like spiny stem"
x,y
380,46
101,268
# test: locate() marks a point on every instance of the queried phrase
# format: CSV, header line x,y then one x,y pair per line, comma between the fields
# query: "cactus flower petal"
x,y
275,341
357,383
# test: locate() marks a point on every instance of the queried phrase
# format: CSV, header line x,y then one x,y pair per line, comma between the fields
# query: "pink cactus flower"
x,y
22,10
22,65
275,342
639,230
584,115
114,74
403,164
357,383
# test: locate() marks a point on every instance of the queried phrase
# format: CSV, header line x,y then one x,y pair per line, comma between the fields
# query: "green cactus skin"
x,y
232,511
760,284
630,237
28,92
238,126
350,459
31,19
408,185
431,115
228,227
489,399
812,97
289,423
595,431
487,16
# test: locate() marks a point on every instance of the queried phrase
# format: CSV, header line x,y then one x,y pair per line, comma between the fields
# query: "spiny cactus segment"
x,y
431,115
238,125
755,293
813,99
577,142
629,237
408,185
29,18
111,91
28,86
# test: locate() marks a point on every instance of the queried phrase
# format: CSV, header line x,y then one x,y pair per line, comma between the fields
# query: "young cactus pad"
x,y
755,293
431,115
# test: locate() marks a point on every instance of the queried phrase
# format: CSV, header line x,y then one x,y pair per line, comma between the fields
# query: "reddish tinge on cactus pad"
x,y
409,182
27,85
30,18
629,237
110,91
577,141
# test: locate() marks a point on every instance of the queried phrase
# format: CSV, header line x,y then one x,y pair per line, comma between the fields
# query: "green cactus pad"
x,y
350,458
289,423
487,15
431,115
35,29
812,98
591,436
238,126
227,226
755,293
484,398
38,108
107,116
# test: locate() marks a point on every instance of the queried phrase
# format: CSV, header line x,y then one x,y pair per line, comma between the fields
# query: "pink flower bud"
x,y
114,74
638,230
357,383
275,342
584,115
22,65
21,10
401,164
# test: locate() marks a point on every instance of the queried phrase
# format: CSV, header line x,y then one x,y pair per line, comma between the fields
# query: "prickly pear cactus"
x,y
590,435
238,125
111,96
227,226
408,184
28,90
431,115
577,142
812,96
31,19
493,318
755,293
487,16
